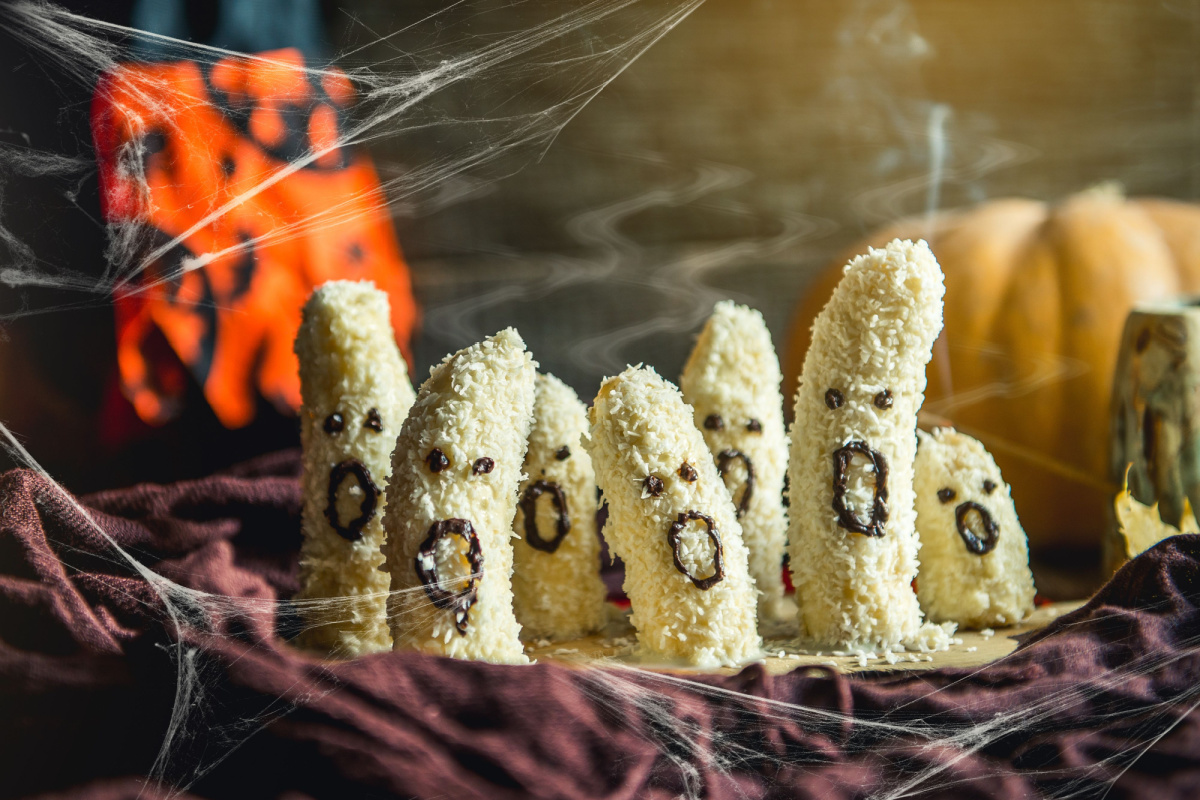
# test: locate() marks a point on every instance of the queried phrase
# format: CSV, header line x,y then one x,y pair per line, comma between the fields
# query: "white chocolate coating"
x,y
349,364
478,403
875,335
559,595
956,584
732,380
640,428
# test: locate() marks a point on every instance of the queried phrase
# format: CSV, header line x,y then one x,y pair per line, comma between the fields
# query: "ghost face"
x,y
856,465
741,486
529,499
693,537
973,520
449,563
351,530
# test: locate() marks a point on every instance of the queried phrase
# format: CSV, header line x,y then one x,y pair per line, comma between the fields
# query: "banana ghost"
x,y
356,393
451,501
557,590
731,380
672,522
852,538
974,553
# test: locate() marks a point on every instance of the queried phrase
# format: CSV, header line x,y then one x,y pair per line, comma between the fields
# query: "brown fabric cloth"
x,y
90,666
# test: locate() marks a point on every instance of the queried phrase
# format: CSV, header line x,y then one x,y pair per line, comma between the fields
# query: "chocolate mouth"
x,y
991,531
427,569
879,510
529,508
352,530
724,459
674,538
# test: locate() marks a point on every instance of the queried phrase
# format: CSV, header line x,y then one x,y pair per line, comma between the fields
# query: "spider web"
x,y
586,48
512,123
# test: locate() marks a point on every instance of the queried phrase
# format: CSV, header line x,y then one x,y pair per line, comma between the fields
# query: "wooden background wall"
x,y
760,136
743,150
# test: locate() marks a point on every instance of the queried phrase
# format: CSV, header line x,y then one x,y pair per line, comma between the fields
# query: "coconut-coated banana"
x,y
557,590
356,393
852,536
672,522
731,380
451,501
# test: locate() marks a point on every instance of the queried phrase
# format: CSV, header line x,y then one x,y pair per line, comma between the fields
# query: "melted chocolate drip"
x,y
563,453
352,530
947,494
483,466
754,426
883,399
437,460
674,534
713,422
373,421
989,486
834,398
688,472
427,570
653,486
334,423
529,508
879,510
723,460
991,530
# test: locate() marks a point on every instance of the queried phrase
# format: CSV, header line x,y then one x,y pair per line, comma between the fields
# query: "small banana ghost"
x,y
974,553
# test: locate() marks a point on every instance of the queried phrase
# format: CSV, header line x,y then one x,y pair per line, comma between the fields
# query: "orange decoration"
x,y
337,86
240,162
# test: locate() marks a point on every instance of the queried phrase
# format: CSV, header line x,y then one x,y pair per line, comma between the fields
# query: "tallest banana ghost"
x,y
852,538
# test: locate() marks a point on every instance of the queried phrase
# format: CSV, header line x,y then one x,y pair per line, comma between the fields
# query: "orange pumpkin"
x,y
1036,298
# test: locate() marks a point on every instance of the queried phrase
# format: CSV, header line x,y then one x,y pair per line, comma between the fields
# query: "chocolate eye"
x,y
483,466
373,422
334,423
947,495
713,422
753,425
563,453
834,398
989,486
688,472
884,399
437,460
653,486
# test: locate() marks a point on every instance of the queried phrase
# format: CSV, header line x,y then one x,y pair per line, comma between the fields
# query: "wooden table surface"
x,y
784,652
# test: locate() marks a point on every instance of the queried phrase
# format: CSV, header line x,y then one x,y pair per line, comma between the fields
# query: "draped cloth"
x,y
101,687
